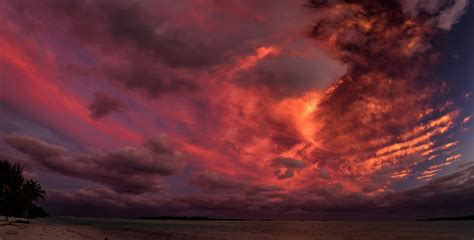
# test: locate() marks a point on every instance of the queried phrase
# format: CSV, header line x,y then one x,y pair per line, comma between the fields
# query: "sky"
x,y
323,109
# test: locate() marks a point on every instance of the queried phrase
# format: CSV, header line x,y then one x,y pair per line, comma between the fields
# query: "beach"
x,y
38,231
64,230
127,229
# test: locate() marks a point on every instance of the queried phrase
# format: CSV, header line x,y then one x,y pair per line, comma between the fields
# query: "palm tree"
x,y
11,177
16,194
31,192
11,182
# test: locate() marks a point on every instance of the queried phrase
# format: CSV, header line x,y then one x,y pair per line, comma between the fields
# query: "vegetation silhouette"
x,y
18,195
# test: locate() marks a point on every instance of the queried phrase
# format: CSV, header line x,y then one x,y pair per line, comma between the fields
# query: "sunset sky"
x,y
251,109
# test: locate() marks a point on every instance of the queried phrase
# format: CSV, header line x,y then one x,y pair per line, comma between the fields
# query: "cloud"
x,y
286,167
104,202
34,147
445,13
135,47
148,77
448,195
126,169
135,26
361,127
451,16
444,196
132,46
103,104
264,189
210,180
172,50
239,88
294,71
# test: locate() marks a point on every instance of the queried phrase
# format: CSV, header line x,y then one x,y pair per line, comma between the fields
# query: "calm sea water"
x,y
276,230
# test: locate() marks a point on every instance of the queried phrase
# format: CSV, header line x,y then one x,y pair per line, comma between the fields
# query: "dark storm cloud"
x,y
103,104
127,169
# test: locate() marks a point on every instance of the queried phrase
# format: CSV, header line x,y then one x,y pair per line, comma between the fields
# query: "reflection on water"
x,y
278,230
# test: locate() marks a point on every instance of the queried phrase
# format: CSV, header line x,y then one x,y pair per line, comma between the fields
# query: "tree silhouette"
x,y
17,195
31,192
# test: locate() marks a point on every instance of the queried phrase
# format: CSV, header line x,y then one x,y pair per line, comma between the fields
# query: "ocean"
x,y
275,230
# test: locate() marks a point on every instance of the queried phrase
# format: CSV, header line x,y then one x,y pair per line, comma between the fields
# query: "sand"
x,y
127,229
39,231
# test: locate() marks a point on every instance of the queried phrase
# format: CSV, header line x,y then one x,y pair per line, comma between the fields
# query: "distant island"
x,y
197,218
461,218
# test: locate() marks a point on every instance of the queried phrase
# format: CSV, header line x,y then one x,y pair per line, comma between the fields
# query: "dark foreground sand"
x,y
37,230
41,231
123,229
